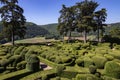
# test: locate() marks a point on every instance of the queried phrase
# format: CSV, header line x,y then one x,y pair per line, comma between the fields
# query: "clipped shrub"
x,y
15,59
18,50
57,78
86,46
59,69
66,59
24,51
112,69
13,49
117,47
33,63
99,61
2,53
58,60
108,57
2,69
28,54
98,74
87,62
80,62
21,65
5,63
44,77
8,56
86,77
92,69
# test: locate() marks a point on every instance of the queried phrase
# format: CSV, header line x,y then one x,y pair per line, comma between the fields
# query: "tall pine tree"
x,y
12,18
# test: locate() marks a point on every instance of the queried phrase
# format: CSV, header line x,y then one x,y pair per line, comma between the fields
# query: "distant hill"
x,y
33,30
52,28
111,26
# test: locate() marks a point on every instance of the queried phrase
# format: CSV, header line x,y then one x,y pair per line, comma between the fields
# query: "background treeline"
x,y
34,30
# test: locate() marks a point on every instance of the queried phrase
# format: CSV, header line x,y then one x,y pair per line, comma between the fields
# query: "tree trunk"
x,y
13,38
98,36
69,37
85,36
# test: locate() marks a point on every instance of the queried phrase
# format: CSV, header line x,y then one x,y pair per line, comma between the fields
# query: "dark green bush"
x,y
108,57
86,46
24,51
80,62
87,62
15,59
58,60
5,63
59,69
112,69
66,59
92,69
21,65
13,49
86,77
2,53
99,61
33,63
28,54
2,69
8,56
57,78
44,77
18,50
98,74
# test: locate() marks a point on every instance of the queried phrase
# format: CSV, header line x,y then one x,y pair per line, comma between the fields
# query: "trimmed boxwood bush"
x,y
2,69
88,61
28,54
112,69
99,61
21,65
66,59
108,57
44,77
59,69
92,69
80,62
33,63
24,51
5,63
8,56
18,50
86,77
13,49
15,59
58,60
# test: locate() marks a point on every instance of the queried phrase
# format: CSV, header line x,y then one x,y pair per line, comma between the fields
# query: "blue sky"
x,y
47,11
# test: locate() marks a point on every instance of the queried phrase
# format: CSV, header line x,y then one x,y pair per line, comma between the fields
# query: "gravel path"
x,y
44,66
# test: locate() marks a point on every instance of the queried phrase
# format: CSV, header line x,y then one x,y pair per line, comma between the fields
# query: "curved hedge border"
x,y
15,75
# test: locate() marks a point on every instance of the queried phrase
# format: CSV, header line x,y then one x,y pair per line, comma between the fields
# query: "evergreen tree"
x,y
85,11
66,21
100,18
12,18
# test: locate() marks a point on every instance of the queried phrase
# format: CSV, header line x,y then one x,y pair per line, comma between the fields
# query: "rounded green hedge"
x,y
99,61
112,69
86,77
33,63
21,65
80,62
92,69
18,50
